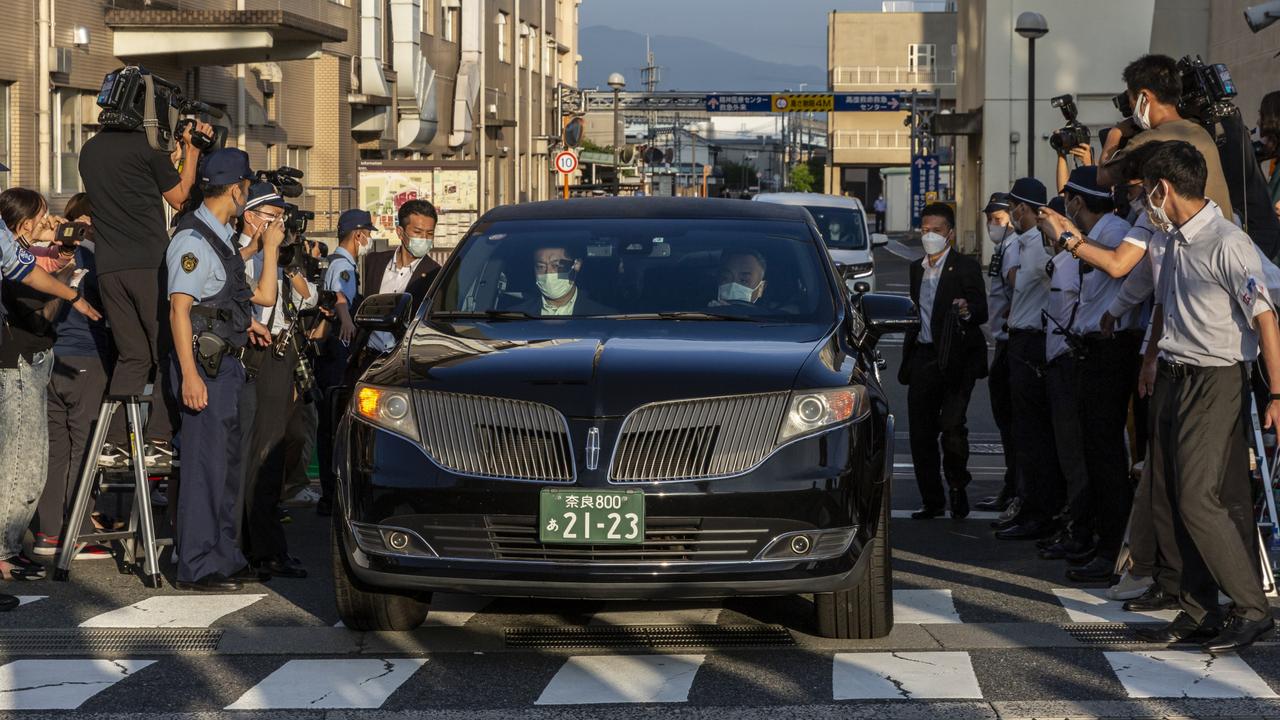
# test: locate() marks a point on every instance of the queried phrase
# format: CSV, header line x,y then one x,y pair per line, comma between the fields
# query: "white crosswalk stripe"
x,y
1093,606
595,679
60,684
173,611
657,613
904,676
329,684
923,607
1174,674
28,599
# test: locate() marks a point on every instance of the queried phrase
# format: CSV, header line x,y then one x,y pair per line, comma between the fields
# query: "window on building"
x,y
70,136
533,47
503,55
522,39
5,178
921,57
429,17
548,42
449,24
299,158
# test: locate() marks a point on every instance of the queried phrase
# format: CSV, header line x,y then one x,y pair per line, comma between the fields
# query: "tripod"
x,y
139,539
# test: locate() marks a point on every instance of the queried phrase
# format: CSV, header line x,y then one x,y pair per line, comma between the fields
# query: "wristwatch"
x,y
79,288
1275,396
1066,238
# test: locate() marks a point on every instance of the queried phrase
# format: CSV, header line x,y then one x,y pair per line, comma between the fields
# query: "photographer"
x,y
27,336
130,181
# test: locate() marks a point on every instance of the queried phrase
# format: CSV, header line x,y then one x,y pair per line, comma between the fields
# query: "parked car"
x,y
843,224
628,398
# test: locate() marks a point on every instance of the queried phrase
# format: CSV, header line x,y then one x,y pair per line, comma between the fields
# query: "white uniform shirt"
x,y
1031,286
1097,288
1000,293
1064,300
279,321
929,291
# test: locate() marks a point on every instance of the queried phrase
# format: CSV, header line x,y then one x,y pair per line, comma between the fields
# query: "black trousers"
x,y
75,396
1110,368
937,406
1033,427
1200,472
879,222
1063,381
331,369
262,536
138,310
999,389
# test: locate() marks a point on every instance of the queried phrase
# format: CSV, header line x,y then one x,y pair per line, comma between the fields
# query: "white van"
x,y
843,224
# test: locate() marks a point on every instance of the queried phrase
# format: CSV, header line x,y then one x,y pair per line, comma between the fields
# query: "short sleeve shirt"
x,y
15,262
1188,131
1064,301
341,275
1031,288
194,268
1097,288
1000,294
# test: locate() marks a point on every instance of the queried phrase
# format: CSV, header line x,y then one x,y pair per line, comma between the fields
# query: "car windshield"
x,y
841,227
633,269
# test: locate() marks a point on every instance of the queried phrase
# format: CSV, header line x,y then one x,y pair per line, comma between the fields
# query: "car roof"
x,y
645,207
809,198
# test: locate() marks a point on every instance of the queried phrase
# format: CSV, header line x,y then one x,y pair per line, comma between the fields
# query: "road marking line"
x,y
924,607
656,613
28,599
904,676
1093,606
329,684
595,679
1176,674
973,515
60,684
173,611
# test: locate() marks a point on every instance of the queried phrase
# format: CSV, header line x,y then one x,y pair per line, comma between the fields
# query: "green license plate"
x,y
591,517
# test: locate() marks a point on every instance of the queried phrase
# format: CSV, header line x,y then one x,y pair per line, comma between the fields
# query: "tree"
x,y
738,176
801,178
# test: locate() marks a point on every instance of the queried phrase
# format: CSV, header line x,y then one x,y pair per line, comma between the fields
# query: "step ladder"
x,y
142,548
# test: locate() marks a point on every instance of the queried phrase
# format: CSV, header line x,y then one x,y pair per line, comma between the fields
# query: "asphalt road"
x,y
983,629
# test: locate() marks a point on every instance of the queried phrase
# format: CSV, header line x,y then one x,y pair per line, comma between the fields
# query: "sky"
x,y
784,31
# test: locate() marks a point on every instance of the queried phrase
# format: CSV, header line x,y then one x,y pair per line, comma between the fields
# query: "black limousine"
x,y
625,398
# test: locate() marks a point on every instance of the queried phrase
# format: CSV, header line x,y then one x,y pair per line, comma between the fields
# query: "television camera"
x,y
134,97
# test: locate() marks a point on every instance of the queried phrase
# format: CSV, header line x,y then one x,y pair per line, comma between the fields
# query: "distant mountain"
x,y
687,64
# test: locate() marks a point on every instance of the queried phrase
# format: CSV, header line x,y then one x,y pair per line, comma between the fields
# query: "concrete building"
x,y
1251,57
377,101
906,46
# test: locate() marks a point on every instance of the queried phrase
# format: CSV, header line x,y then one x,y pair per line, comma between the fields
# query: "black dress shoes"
x,y
213,582
959,504
995,503
928,513
1239,633
1182,629
1098,569
281,567
1030,530
1155,598
248,575
1062,548
1082,556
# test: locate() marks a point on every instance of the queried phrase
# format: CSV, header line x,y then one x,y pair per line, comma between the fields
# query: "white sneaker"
x,y
305,497
113,456
1129,587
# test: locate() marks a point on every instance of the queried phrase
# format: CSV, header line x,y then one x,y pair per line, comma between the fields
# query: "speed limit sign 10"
x,y
566,162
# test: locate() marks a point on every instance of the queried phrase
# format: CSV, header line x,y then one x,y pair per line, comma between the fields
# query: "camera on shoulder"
x,y
134,97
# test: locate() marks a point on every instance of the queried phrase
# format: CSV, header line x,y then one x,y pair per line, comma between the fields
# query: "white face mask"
x,y
736,292
997,233
1157,215
554,286
419,246
245,240
933,242
363,248
1142,113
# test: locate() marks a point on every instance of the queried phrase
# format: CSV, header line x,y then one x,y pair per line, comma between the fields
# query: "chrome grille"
x,y
495,437
691,439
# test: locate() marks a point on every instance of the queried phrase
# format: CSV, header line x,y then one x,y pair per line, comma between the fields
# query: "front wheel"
x,y
864,611
363,608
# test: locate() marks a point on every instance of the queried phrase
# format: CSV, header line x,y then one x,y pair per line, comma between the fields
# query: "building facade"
x,y
377,101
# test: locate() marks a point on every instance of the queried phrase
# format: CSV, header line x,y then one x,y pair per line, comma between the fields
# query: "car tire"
x,y
864,611
363,608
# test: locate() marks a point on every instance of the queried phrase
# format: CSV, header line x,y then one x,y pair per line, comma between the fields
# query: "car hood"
x,y
603,368
849,257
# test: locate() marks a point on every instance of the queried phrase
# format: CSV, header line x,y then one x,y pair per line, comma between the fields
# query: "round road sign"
x,y
566,162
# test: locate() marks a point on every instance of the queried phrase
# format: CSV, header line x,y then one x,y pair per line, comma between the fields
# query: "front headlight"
x,y
858,271
388,408
810,411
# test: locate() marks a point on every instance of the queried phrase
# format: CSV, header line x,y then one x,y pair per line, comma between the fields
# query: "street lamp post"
x,y
1032,26
617,82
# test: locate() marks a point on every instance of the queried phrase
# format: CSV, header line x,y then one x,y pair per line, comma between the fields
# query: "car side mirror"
x,y
888,314
388,312
879,240
861,287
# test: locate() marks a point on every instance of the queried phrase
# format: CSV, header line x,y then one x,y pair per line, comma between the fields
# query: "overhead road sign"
x,y
807,102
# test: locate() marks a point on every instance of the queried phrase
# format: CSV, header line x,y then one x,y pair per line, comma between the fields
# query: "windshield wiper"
x,y
680,315
481,315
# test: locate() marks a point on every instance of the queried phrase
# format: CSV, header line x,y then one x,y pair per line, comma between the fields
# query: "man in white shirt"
x,y
1004,257
407,268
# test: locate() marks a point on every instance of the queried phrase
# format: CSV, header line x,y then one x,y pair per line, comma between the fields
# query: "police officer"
x,y
1212,312
354,241
211,316
1004,257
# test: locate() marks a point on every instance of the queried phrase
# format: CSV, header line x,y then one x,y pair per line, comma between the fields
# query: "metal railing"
x,y
872,140
898,77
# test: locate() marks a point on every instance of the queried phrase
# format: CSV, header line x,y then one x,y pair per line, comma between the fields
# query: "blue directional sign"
x,y
807,102
924,179
870,102
759,102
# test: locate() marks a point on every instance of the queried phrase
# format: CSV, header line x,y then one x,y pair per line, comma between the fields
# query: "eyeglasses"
x,y
559,266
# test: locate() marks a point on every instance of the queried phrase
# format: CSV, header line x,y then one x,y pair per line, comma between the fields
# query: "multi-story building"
x,y
907,46
376,101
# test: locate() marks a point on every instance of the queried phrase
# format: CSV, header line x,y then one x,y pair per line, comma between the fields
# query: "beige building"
x,y
377,101
907,46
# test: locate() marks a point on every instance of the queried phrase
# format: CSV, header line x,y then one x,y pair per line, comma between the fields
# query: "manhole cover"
x,y
641,637
96,641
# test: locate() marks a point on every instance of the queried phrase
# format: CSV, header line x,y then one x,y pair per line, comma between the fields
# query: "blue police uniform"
x,y
203,262
15,262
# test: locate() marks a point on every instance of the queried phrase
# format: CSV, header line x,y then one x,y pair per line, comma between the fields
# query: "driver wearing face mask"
x,y
741,278
406,268
555,271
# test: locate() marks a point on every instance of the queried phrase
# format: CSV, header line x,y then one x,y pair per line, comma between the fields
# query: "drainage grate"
x,y
642,637
92,641
1102,633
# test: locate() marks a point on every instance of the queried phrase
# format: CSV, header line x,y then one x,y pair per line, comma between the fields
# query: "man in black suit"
x,y
555,270
406,268
941,362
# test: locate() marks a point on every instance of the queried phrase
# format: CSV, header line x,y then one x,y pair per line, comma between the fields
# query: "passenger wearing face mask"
x,y
1004,256
741,278
406,268
555,273
939,384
